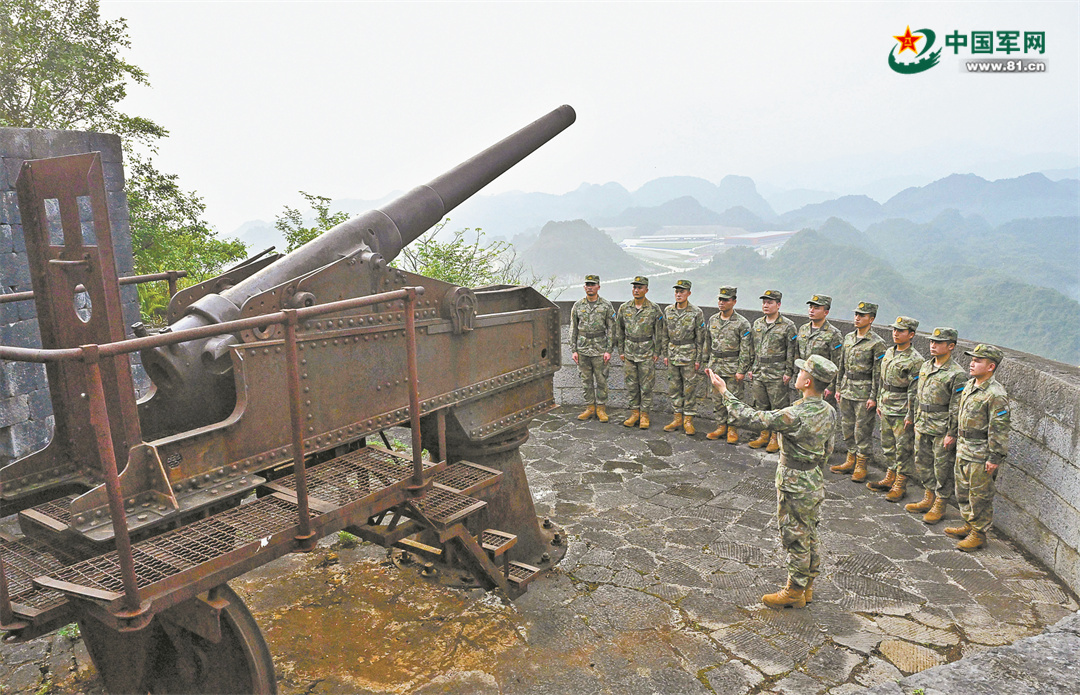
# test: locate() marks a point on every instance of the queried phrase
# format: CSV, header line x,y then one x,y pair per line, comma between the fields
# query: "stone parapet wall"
x,y
1038,502
26,421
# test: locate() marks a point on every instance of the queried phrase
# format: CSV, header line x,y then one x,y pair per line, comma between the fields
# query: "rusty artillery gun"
x,y
252,442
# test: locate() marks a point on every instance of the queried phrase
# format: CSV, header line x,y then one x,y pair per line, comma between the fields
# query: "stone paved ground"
x,y
672,541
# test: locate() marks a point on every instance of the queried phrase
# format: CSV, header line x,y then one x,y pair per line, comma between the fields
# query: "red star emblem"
x,y
907,42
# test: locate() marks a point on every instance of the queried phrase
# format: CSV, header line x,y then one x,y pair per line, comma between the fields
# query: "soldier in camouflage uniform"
x,y
940,382
727,352
639,337
684,325
819,337
982,447
592,339
774,345
806,429
860,369
896,408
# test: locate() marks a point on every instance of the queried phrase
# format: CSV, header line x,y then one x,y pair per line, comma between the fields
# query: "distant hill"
x,y
680,211
859,210
515,212
571,249
1032,195
732,191
742,218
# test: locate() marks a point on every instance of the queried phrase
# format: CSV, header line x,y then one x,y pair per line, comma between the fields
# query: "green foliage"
x,y
468,263
347,540
71,631
168,232
60,68
291,222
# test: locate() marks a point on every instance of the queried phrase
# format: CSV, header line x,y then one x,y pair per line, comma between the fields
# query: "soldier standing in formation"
x,y
639,336
727,352
592,339
819,337
940,382
774,347
896,407
983,445
858,378
806,430
685,327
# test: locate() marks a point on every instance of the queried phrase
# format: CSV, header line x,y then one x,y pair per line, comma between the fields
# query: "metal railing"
x,y
170,276
91,355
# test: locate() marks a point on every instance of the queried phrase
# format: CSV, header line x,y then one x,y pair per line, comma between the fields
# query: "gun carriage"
x,y
253,440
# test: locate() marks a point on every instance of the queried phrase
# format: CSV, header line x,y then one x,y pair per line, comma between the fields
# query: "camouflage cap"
x,y
905,323
727,292
640,280
821,368
821,300
944,335
593,278
988,351
866,308
682,285
772,294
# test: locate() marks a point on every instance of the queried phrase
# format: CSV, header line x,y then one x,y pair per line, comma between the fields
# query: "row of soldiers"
x,y
946,432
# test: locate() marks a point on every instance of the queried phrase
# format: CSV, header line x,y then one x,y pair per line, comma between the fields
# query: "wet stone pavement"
x,y
672,542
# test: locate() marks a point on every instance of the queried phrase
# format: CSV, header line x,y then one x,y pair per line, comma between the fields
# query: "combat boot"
x,y
959,531
676,423
635,417
601,413
847,466
587,413
923,505
975,539
936,513
791,595
808,594
688,425
644,422
899,489
859,474
760,441
885,483
774,444
732,435
720,431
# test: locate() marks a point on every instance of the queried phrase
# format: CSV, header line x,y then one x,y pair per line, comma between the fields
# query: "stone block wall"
x,y
1038,502
26,420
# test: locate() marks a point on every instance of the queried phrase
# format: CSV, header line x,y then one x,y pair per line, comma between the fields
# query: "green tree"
x,y
291,223
61,68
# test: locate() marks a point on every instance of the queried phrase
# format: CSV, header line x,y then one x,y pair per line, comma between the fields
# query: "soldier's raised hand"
x,y
717,381
574,355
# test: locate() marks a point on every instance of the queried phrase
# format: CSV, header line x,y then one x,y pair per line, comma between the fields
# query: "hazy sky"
x,y
354,100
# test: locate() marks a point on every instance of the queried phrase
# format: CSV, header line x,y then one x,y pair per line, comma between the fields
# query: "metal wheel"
x,y
166,658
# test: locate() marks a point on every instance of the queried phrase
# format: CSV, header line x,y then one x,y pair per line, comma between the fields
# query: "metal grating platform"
x,y
58,509
520,573
444,506
353,476
26,558
497,542
164,556
466,477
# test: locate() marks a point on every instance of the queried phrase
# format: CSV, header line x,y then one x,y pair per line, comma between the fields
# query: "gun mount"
x,y
253,441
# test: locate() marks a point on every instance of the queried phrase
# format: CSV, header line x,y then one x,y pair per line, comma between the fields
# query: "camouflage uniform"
x,y
857,379
806,429
825,341
639,337
899,394
685,345
983,426
728,352
938,402
774,347
592,333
